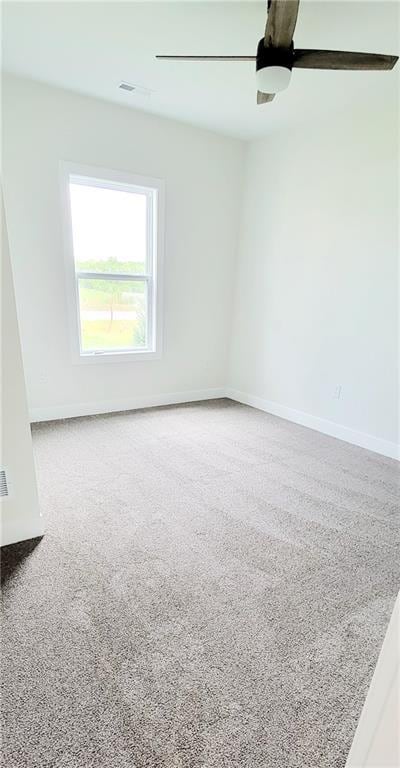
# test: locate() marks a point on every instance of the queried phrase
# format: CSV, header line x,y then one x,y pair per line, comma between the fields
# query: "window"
x,y
113,229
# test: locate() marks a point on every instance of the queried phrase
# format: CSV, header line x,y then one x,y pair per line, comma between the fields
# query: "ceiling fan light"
x,y
273,79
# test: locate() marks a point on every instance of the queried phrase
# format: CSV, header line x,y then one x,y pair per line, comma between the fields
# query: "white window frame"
x,y
154,190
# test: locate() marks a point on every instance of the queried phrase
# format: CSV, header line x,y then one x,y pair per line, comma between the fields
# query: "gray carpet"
x,y
212,590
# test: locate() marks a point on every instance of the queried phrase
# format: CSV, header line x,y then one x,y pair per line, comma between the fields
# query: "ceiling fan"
x,y
276,55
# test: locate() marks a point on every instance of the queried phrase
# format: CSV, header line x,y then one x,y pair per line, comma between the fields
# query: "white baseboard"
x,y
362,439
19,528
54,412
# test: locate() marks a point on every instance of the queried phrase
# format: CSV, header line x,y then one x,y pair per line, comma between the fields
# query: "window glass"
x,y
113,314
109,229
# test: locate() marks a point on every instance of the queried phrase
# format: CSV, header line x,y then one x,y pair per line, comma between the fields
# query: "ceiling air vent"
x,y
126,87
137,89
3,483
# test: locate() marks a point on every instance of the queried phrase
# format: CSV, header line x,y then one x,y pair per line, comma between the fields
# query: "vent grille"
x,y
138,90
127,87
3,483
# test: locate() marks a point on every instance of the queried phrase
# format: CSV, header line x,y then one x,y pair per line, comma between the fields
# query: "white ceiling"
x,y
90,47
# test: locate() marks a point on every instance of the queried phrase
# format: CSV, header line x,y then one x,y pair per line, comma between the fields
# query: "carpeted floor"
x,y
212,590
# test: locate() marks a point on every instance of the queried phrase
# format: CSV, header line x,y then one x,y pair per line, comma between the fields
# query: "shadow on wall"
x,y
14,555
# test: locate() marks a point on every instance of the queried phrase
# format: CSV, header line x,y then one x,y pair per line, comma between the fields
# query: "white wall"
x,y
376,742
316,302
20,516
316,299
202,171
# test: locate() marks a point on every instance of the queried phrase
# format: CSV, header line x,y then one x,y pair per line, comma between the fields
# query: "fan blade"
x,y
281,22
207,58
262,98
314,59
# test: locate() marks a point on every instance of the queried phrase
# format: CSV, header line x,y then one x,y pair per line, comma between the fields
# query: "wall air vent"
x,y
3,483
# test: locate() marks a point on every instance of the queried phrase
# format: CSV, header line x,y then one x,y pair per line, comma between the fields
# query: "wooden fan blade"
x,y
315,59
207,58
262,98
281,22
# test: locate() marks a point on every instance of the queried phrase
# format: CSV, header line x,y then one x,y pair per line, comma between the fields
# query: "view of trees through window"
x,y
113,314
109,237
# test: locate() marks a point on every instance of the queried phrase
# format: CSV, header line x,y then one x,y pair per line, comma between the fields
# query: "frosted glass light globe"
x,y
273,79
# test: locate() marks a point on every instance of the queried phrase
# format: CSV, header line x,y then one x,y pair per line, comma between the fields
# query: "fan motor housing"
x,y
268,56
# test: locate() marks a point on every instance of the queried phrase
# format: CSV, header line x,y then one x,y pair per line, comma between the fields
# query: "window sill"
x,y
116,357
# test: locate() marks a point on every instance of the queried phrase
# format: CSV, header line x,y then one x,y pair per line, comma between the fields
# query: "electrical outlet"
x,y
337,394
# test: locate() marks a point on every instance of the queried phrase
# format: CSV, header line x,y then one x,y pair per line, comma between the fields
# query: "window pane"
x,y
109,229
113,314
